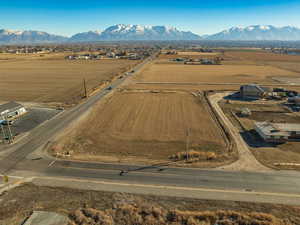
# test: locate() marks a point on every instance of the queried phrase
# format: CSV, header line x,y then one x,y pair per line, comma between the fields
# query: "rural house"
x,y
253,91
278,132
12,110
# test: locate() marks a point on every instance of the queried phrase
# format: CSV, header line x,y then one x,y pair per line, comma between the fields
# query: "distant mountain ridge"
x,y
15,37
123,32
258,33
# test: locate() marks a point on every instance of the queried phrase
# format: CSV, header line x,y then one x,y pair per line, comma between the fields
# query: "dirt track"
x,y
247,161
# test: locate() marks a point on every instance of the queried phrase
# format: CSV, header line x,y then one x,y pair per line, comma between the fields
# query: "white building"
x,y
278,132
12,110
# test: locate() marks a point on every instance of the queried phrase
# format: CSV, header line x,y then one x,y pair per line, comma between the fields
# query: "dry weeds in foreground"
x,y
147,214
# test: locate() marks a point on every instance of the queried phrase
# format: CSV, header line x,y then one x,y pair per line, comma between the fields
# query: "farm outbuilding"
x,y
278,132
12,110
253,91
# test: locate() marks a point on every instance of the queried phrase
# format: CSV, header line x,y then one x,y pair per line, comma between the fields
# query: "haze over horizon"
x,y
68,17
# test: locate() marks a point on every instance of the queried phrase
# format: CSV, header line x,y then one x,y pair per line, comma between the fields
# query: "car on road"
x,y
109,88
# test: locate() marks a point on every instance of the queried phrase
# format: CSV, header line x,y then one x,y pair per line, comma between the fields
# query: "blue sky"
x,y
68,17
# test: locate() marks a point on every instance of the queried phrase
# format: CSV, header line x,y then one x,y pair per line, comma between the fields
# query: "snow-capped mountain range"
x,y
258,32
9,36
123,32
136,32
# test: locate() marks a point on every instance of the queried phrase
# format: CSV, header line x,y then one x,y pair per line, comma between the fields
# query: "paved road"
x,y
271,187
287,184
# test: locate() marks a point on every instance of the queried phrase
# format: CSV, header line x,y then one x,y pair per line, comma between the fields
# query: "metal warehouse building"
x,y
12,110
278,132
253,91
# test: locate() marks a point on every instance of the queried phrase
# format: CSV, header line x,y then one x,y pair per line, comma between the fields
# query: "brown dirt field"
x,y
261,56
189,56
182,87
267,153
54,79
199,53
282,61
124,209
144,127
211,73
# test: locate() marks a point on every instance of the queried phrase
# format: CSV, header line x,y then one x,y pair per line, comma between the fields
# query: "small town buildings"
x,y
278,132
253,91
11,110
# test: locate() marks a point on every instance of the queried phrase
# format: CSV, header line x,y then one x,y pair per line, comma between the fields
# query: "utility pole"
x,y
84,88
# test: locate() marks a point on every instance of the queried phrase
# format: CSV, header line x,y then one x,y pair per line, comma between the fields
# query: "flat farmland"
x,y
54,79
143,127
282,61
199,53
191,55
212,73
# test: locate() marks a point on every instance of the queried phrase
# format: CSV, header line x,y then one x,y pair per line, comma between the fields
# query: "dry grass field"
x,y
261,56
51,78
199,53
144,126
212,73
107,208
282,61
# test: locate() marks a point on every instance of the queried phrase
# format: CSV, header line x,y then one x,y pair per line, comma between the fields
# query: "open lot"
x,y
212,73
51,78
267,153
96,207
146,127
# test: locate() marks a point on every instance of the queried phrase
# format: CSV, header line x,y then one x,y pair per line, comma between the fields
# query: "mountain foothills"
x,y
123,32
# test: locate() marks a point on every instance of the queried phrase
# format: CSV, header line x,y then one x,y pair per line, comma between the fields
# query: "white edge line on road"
x,y
175,187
